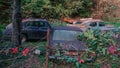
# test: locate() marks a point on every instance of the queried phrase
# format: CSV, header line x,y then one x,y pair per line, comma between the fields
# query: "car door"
x,y
93,25
42,30
32,29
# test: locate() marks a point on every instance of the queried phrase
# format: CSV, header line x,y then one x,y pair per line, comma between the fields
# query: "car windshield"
x,y
78,22
65,35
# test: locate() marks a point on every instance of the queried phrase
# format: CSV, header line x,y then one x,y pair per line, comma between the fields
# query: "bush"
x,y
103,44
1,30
10,54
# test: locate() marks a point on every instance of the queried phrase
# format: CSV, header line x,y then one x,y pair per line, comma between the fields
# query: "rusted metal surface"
x,y
66,44
47,48
89,23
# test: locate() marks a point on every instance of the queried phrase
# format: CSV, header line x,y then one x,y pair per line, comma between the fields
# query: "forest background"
x,y
57,9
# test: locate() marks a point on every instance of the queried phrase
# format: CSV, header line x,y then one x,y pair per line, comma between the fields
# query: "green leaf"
x,y
77,65
97,65
104,50
115,65
57,53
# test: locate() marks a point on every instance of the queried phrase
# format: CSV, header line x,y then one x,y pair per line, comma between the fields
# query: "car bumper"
x,y
70,59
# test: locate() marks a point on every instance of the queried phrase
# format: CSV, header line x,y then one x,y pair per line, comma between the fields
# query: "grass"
x,y
116,24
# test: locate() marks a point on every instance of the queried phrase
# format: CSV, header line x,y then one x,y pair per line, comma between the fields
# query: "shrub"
x,y
103,44
1,30
10,54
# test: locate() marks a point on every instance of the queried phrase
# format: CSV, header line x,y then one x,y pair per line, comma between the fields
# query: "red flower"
x,y
112,49
80,60
15,50
118,53
25,52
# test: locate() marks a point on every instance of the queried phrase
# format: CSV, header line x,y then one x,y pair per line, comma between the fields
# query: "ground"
x,y
32,60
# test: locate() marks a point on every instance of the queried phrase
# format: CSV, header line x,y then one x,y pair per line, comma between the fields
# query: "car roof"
x,y
92,20
33,19
25,20
67,28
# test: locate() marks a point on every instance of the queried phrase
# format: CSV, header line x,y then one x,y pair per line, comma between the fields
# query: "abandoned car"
x,y
63,42
89,23
31,29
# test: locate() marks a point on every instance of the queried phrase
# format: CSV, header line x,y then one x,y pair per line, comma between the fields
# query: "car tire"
x,y
24,38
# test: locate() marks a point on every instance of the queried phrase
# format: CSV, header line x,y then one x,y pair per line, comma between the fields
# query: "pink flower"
x,y
80,60
105,66
25,52
116,36
112,49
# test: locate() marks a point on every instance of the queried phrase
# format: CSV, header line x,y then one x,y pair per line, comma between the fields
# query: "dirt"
x,y
31,62
106,9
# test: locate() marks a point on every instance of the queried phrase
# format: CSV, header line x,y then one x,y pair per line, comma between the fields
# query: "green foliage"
x,y
47,9
0,32
5,11
100,42
35,8
85,10
73,8
56,22
1,29
8,56
97,41
54,9
115,23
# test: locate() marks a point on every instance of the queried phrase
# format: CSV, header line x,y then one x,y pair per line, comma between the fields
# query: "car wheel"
x,y
24,38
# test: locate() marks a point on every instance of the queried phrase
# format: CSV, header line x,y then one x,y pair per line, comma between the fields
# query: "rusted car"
x,y
89,23
63,42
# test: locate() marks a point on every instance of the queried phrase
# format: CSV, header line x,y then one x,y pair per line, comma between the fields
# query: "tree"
x,y
16,21
55,8
5,11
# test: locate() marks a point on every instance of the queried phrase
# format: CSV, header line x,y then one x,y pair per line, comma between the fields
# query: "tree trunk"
x,y
16,21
